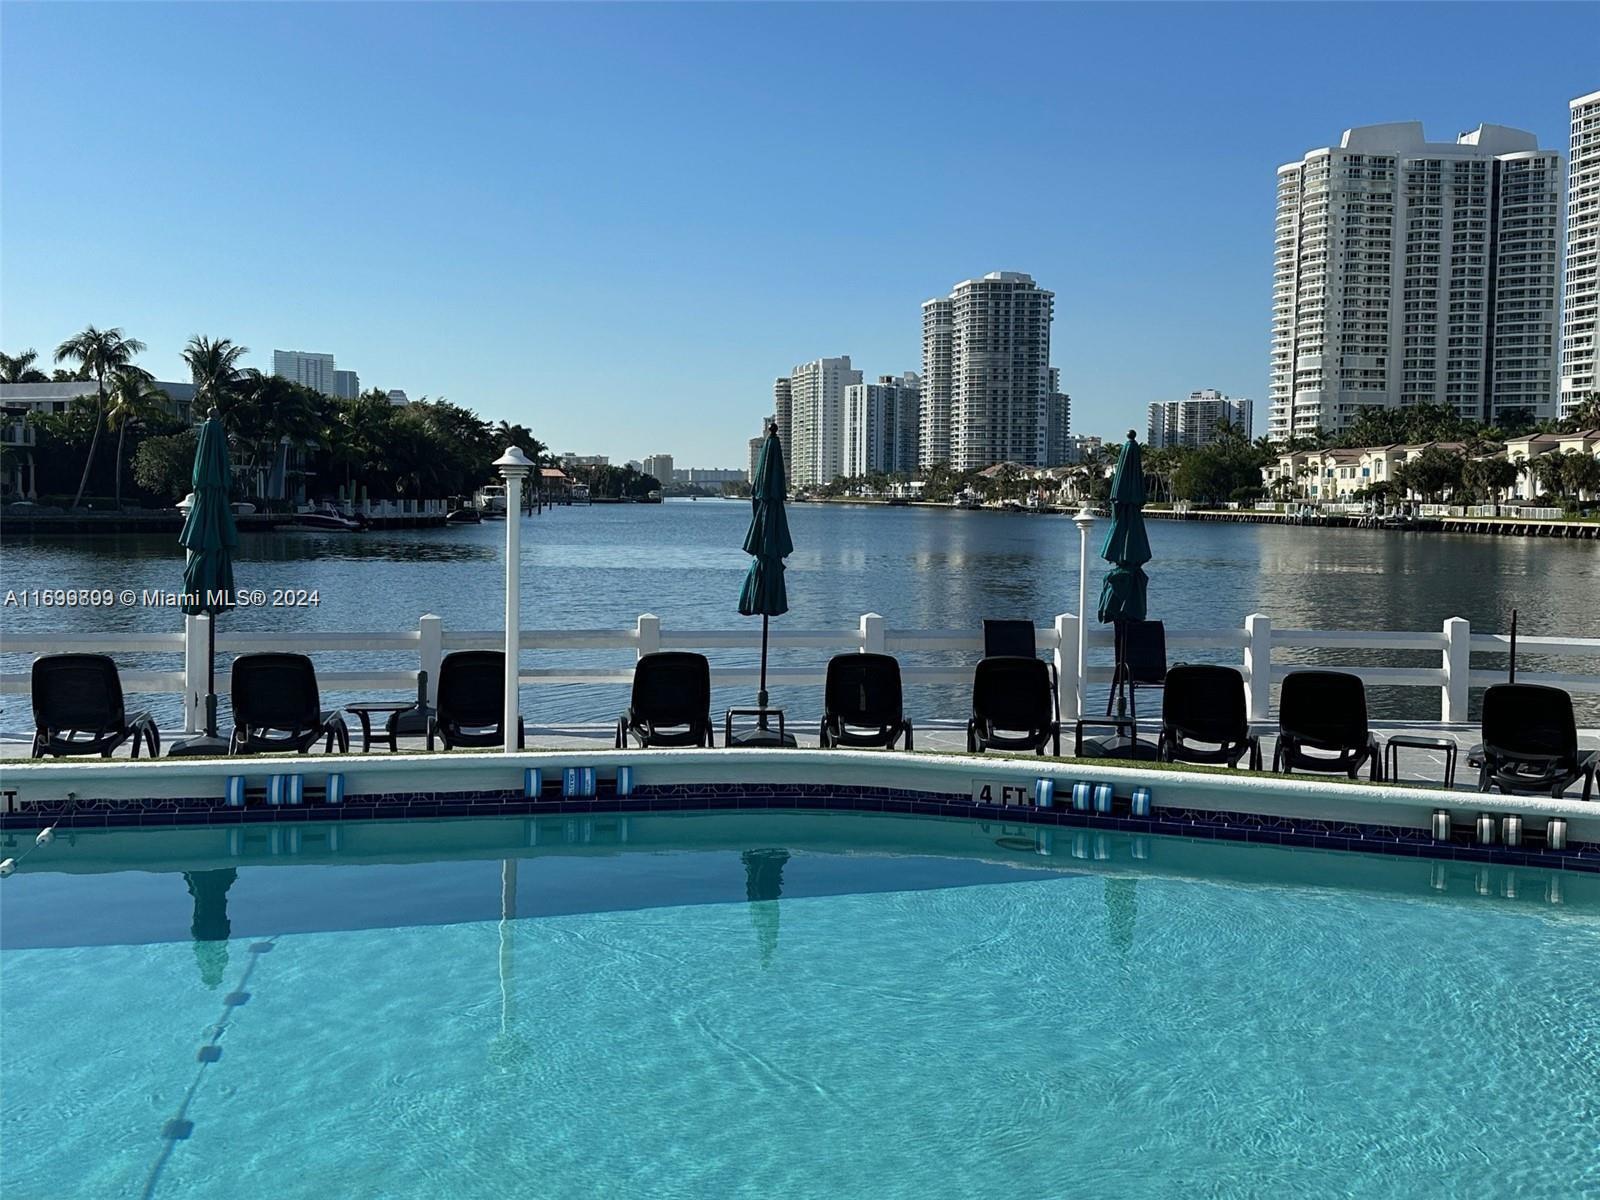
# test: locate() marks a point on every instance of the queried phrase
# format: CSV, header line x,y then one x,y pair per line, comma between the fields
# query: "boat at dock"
x,y
490,501
324,518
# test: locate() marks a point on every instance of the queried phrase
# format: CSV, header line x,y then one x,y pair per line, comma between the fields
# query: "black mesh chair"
x,y
1144,661
471,708
277,707
1013,706
78,709
671,704
1206,704
1530,742
1018,639
1325,711
862,703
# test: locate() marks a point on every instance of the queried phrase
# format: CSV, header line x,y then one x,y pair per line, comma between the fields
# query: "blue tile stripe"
x,y
1179,822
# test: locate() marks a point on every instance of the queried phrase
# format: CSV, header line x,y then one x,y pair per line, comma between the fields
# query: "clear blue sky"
x,y
617,224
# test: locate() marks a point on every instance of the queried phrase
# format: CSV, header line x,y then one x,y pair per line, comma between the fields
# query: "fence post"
x,y
194,672
431,652
649,633
873,638
1258,666
1066,660
1457,670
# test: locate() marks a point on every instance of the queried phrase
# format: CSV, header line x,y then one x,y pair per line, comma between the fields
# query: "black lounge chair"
x,y
277,707
1326,711
1013,707
1206,704
862,703
78,709
1144,661
471,707
671,703
1530,742
1018,639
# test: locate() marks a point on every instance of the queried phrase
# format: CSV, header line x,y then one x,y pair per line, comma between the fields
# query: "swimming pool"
x,y
623,1006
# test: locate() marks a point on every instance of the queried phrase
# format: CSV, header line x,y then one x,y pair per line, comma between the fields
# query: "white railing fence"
x,y
1251,646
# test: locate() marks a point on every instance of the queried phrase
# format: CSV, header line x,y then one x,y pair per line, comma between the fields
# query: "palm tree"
x,y
1548,473
99,351
18,368
214,368
134,398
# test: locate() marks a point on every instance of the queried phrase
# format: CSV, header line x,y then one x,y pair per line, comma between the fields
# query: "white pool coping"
x,y
1295,796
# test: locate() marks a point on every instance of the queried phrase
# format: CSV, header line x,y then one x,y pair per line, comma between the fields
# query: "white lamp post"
x,y
514,467
1083,521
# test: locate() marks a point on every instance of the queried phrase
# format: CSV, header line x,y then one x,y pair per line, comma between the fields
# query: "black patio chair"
x,y
1144,662
471,706
1013,707
862,703
1325,711
1206,704
78,709
277,707
1018,639
671,703
1530,742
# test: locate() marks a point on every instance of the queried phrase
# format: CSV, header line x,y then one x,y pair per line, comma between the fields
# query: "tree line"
x,y
427,449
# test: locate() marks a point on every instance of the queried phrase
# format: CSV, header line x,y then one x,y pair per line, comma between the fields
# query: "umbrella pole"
x,y
211,675
1512,675
761,696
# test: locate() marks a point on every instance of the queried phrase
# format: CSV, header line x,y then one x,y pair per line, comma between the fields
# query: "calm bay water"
x,y
599,567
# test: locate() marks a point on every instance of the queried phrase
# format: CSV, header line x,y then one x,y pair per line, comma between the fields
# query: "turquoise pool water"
x,y
932,1008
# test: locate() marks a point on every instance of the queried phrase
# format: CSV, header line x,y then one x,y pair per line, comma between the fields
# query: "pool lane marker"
x,y
179,1127
46,836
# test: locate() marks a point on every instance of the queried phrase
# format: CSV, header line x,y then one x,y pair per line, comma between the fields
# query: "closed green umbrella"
x,y
1127,549
210,537
768,542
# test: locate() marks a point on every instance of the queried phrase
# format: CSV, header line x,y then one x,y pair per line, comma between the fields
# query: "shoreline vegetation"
x,y
1464,463
289,443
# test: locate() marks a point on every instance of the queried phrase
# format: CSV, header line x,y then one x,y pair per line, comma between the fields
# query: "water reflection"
x,y
210,927
763,885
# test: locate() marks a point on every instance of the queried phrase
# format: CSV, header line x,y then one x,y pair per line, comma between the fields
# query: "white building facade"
x,y
816,420
783,418
1407,271
659,465
881,425
986,373
314,371
1580,302
1196,421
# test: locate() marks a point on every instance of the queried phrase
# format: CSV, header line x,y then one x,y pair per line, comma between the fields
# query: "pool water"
x,y
786,1004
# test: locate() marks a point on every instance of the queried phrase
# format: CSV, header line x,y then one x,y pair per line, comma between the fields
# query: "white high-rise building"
x,y
1194,422
346,385
934,435
881,425
816,420
783,417
986,373
659,465
1407,271
1580,325
314,371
